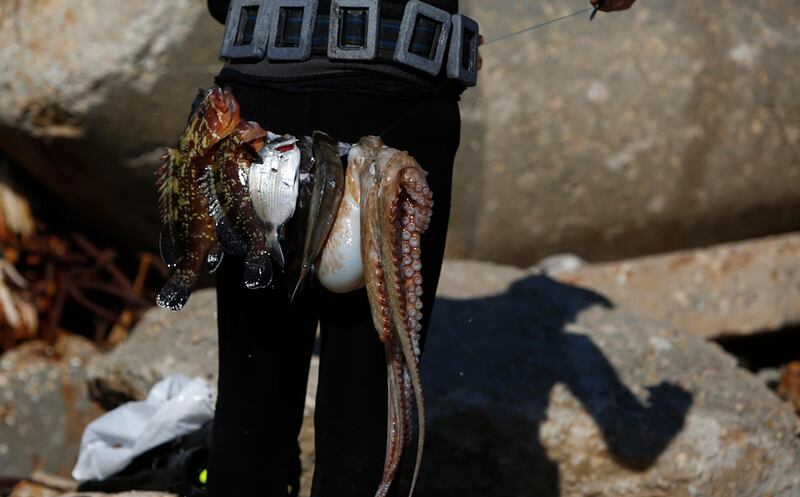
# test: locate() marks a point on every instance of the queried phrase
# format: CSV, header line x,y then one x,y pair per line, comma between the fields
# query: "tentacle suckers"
x,y
387,190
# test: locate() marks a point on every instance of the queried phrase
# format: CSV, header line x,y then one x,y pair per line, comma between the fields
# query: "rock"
x,y
162,343
30,489
44,405
733,289
536,387
669,126
545,389
123,494
789,384
104,85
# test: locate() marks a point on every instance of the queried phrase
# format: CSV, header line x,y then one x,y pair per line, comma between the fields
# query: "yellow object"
x,y
203,476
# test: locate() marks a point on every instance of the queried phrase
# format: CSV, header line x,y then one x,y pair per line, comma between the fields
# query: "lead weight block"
x,y
415,12
281,14
342,49
246,30
462,60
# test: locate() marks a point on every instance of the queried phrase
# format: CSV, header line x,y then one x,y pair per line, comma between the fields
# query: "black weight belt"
x,y
419,37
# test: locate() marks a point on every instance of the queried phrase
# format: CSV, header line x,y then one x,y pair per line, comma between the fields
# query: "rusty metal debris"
x,y
51,284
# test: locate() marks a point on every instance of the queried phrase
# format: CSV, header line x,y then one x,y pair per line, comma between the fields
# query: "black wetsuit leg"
x,y
351,408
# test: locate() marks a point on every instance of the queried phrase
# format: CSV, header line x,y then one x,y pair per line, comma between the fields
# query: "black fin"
x,y
230,239
173,296
169,253
257,271
214,258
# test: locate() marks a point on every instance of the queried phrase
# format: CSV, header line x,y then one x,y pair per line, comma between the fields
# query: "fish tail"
x,y
274,245
174,295
167,248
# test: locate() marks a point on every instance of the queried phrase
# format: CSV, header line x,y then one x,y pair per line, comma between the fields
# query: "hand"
x,y
480,58
612,5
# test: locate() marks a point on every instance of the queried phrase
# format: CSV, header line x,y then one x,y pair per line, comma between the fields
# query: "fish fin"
x,y
173,296
164,184
274,245
166,245
214,259
226,234
257,271
209,188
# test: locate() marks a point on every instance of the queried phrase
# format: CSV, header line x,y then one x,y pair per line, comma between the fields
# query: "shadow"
x,y
489,370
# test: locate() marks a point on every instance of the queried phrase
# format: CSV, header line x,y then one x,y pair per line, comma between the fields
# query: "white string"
x,y
537,26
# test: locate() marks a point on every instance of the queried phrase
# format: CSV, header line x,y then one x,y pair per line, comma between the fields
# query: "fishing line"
x,y
543,24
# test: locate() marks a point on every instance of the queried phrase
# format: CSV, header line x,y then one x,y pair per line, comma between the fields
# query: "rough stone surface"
x,y
672,125
733,289
539,388
44,406
30,489
669,126
162,343
90,91
544,389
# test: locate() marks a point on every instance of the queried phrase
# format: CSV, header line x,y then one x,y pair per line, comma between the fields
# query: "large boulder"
x,y
536,387
44,406
664,127
671,125
90,92
162,343
727,290
539,388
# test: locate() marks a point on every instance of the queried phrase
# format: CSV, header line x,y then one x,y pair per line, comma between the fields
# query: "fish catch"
x,y
274,186
326,189
188,234
386,208
238,228
396,207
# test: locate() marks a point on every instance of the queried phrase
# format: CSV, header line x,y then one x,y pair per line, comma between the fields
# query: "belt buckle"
x,y
279,14
462,60
416,10
367,51
246,30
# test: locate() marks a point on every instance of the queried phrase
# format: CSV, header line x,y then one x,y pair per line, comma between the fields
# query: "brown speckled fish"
x,y
238,228
188,230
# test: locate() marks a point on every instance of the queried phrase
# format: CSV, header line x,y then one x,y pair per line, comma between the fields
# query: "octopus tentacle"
x,y
396,205
397,433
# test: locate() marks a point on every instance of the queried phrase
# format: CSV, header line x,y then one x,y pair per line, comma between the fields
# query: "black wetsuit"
x,y
266,343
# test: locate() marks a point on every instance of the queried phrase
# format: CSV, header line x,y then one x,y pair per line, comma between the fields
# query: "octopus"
x,y
238,229
189,234
388,191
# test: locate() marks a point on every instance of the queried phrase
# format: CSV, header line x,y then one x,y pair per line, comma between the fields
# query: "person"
x,y
266,341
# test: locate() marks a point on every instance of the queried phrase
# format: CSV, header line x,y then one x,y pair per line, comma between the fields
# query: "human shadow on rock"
x,y
489,368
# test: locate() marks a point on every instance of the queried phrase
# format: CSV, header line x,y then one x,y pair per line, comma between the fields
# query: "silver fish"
x,y
274,186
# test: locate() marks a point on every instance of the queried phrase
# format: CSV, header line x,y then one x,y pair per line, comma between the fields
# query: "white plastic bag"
x,y
176,406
